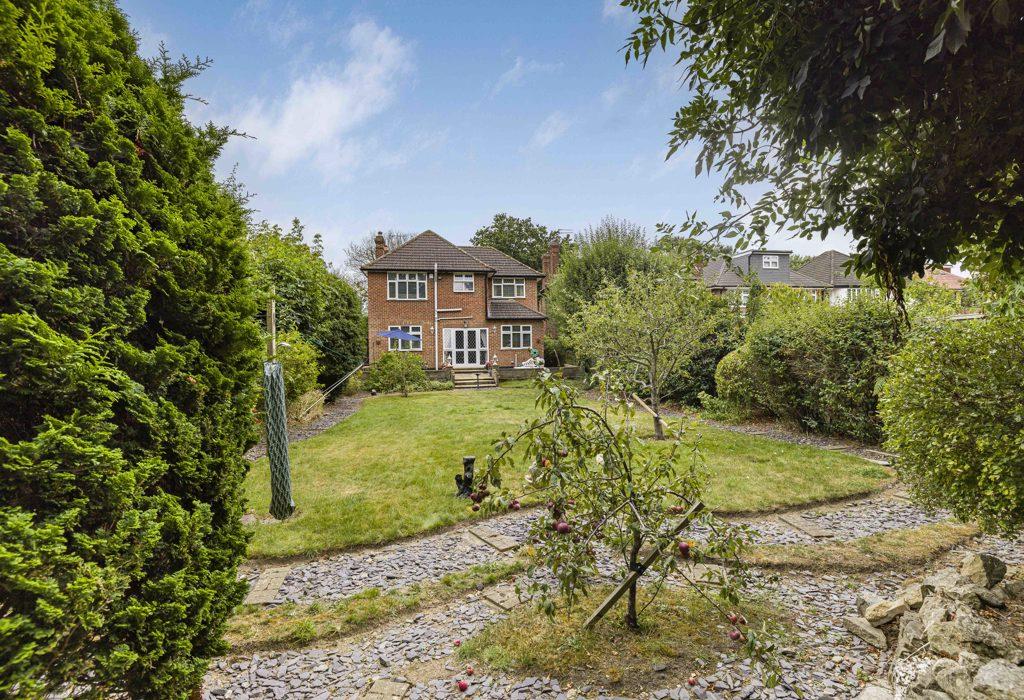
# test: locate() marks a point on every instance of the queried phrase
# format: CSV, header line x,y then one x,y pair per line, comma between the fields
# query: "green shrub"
x,y
301,365
397,371
129,363
953,409
696,376
436,385
815,364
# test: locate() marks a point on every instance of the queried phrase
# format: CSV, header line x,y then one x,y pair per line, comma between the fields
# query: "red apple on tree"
x,y
735,635
476,507
732,617
562,527
684,549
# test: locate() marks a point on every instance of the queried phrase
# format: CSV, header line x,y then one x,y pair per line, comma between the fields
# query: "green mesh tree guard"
x,y
281,503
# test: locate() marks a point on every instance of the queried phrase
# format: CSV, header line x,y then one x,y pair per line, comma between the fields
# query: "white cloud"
x,y
518,72
282,22
551,129
318,119
611,95
613,10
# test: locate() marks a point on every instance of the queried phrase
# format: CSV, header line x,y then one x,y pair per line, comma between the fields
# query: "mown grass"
x,y
677,630
387,471
255,628
892,550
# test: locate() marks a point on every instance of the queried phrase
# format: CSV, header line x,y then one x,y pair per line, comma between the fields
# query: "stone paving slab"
x,y
502,543
502,598
806,526
384,689
265,589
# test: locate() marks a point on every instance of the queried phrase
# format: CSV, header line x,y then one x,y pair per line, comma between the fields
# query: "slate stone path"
x,y
416,655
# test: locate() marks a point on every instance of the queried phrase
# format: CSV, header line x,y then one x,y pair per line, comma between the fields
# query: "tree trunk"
x,y
631,621
634,552
659,430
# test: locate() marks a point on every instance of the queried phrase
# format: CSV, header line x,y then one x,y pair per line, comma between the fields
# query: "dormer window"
x,y
770,262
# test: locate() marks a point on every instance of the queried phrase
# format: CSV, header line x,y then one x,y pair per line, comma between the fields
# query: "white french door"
x,y
465,347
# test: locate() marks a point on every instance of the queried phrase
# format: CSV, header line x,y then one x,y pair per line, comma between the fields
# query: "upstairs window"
x,y
770,262
463,283
509,288
406,345
407,285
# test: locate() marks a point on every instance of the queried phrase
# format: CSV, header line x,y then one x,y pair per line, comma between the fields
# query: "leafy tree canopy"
x,y
519,238
596,256
312,298
647,330
896,122
128,360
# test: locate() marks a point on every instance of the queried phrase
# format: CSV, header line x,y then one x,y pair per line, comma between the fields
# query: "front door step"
x,y
806,526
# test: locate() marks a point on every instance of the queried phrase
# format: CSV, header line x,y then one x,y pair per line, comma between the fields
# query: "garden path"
x,y
416,654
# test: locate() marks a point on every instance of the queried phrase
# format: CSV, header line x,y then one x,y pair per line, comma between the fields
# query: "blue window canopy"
x,y
398,335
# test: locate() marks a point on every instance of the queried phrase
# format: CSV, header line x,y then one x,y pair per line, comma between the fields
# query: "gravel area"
x,y
823,660
430,557
400,564
876,515
334,412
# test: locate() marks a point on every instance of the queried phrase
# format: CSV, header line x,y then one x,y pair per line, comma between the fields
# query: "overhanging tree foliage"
x,y
895,121
127,364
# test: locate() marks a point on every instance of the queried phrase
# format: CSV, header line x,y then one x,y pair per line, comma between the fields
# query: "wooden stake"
x,y
614,596
271,326
649,410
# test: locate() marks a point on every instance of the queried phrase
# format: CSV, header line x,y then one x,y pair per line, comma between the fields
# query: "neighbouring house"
x,y
946,278
823,277
466,304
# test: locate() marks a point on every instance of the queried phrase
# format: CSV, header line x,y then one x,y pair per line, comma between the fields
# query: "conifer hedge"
x,y
127,363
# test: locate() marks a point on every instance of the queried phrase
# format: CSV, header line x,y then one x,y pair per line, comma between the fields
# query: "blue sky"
x,y
413,115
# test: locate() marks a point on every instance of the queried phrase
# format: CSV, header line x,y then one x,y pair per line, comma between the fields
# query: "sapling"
x,y
609,492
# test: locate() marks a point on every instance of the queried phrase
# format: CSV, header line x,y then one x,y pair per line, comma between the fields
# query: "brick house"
x,y
466,304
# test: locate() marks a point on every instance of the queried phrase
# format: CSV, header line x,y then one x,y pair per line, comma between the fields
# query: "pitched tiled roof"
x,y
944,278
829,269
722,273
506,310
503,264
422,251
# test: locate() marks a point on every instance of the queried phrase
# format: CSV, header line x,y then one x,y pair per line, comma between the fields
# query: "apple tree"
x,y
609,494
648,330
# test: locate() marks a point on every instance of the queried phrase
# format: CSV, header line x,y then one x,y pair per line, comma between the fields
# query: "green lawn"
x,y
388,471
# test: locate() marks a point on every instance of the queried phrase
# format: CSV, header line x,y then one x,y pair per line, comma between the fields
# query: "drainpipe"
x,y
437,364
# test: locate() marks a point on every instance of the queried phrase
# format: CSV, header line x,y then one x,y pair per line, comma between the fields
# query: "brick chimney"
x,y
379,246
554,249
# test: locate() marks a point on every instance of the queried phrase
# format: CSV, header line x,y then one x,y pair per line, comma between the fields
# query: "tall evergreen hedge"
x,y
127,360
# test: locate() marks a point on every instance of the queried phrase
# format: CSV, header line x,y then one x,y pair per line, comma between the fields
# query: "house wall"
x,y
755,264
472,313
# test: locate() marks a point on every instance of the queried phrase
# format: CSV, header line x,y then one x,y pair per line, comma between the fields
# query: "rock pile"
x,y
945,647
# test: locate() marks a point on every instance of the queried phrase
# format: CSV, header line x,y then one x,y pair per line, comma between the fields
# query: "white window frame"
x,y
411,280
770,262
524,331
459,282
516,283
396,344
